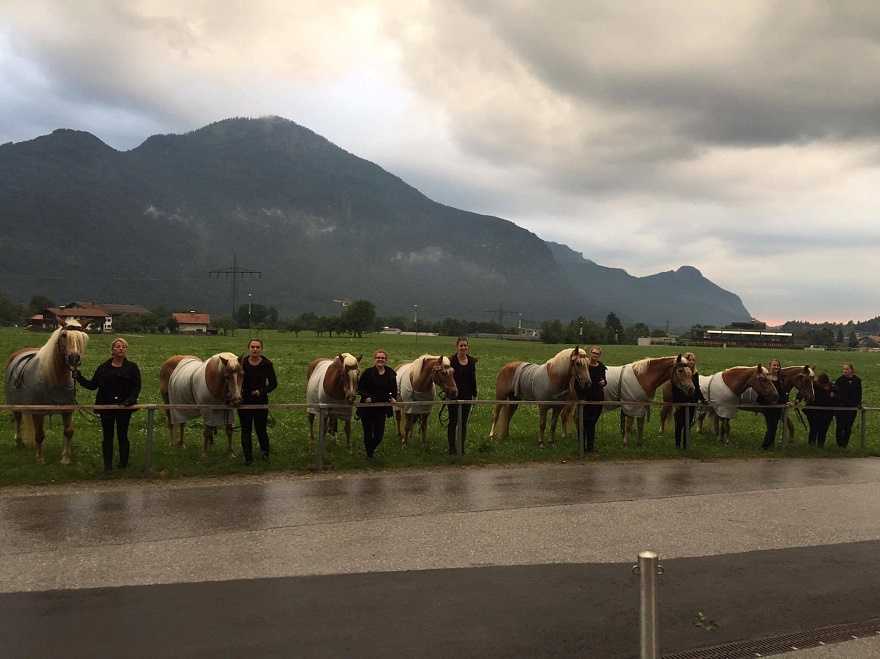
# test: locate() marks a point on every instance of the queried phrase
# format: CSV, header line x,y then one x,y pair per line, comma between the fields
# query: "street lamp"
x,y
250,320
416,320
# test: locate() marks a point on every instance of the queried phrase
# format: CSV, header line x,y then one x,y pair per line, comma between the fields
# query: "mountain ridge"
x,y
318,222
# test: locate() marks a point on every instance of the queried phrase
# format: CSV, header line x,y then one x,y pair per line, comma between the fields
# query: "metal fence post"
x,y
459,436
148,449
864,418
649,635
322,428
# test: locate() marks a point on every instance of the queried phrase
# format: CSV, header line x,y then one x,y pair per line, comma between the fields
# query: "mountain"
x,y
80,220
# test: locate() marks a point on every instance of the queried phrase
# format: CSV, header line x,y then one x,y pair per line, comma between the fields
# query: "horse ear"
x,y
87,325
359,357
223,360
61,321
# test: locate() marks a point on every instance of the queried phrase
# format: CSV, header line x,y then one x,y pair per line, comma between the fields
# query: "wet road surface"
x,y
523,561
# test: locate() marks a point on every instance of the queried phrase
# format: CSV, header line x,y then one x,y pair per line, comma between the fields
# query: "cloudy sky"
x,y
742,138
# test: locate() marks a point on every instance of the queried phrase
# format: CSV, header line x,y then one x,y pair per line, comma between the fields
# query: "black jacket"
x,y
850,391
116,385
465,377
257,378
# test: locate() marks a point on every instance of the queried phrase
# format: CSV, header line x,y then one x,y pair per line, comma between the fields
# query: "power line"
x,y
233,274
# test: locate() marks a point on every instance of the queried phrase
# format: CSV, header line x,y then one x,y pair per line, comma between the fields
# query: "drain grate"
x,y
763,647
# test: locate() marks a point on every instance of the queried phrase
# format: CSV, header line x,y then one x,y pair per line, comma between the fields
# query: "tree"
x,y
40,302
222,324
613,328
360,317
552,331
129,323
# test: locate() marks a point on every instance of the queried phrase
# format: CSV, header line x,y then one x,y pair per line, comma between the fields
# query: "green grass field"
x,y
289,435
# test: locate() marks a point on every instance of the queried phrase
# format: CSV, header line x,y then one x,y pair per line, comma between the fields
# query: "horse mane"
x,y
228,356
348,360
560,364
46,355
418,364
643,365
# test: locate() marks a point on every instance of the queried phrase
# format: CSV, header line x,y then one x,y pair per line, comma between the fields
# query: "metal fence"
x,y
454,406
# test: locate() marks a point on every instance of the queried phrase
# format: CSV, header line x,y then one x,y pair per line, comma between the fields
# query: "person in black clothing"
x,y
850,387
258,381
464,368
595,392
825,395
678,396
377,384
118,382
772,415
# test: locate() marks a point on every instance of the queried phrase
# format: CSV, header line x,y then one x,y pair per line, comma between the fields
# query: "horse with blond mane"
x,y
331,390
415,392
553,380
43,376
187,380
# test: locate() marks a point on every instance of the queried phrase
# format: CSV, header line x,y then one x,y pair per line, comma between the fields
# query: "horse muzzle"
x,y
235,401
74,360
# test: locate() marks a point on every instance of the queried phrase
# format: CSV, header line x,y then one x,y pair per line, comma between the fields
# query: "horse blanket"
x,y
724,401
24,385
315,395
406,394
187,386
623,385
531,382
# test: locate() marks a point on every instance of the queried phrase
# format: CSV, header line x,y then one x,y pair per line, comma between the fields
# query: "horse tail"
x,y
502,422
30,430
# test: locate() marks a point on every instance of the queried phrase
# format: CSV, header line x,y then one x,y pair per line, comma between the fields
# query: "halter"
x,y
62,349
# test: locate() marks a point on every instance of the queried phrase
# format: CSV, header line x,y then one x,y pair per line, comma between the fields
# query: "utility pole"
x,y
232,274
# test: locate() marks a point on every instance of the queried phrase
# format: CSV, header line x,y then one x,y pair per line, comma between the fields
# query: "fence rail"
x,y
692,408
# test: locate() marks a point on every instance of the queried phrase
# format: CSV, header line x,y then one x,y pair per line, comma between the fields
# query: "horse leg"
x,y
626,424
567,414
229,452
333,428
180,428
496,412
398,421
554,418
312,427
39,435
790,425
725,431
641,429
542,424
423,421
409,421
67,419
16,417
664,414
347,428
208,438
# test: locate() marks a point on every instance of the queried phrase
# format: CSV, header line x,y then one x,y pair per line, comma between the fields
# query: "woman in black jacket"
x,y
377,384
825,395
257,382
464,368
678,396
850,387
118,382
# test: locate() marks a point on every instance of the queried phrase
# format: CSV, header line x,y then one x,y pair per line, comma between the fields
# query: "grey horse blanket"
x,y
724,401
623,385
406,393
24,385
315,395
187,386
531,382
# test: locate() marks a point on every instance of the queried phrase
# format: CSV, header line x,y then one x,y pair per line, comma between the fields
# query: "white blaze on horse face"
x,y
350,375
581,362
446,377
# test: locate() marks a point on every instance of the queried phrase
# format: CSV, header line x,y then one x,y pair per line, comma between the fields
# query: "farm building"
x,y
741,334
192,322
100,314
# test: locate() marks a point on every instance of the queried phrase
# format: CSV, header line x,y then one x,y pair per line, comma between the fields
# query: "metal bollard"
x,y
649,635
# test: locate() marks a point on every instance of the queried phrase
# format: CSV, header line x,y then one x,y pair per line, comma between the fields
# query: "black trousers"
x,y
820,422
373,422
250,421
681,422
453,425
121,421
591,418
845,420
772,417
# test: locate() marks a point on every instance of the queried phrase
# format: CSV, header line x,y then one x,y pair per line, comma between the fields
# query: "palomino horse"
x,y
635,383
415,392
333,382
187,380
553,380
42,376
723,391
793,377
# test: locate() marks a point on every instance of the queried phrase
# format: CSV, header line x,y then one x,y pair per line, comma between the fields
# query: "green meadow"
x,y
292,452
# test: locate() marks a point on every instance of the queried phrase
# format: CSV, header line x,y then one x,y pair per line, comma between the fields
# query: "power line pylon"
x,y
233,274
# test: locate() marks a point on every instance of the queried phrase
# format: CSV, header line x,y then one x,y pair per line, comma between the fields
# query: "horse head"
x,y
580,367
348,372
803,382
233,377
763,385
681,376
72,341
444,377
